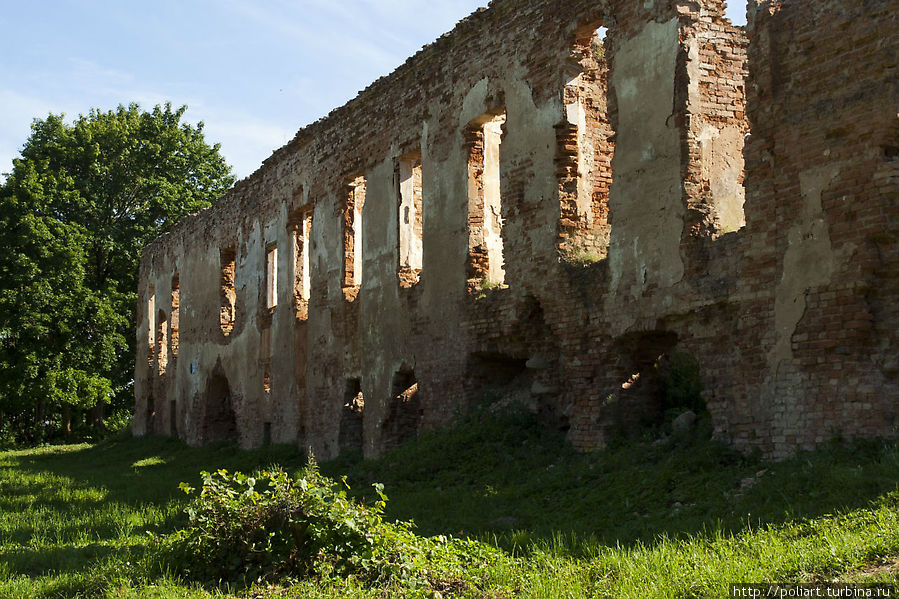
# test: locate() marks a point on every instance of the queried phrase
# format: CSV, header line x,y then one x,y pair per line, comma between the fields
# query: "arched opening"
x,y
151,415
653,381
404,410
219,421
350,435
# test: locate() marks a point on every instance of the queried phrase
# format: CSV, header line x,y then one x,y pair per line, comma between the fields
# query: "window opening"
x,y
162,357
176,314
151,321
352,242
271,276
485,219
302,262
267,378
585,142
228,293
265,357
718,192
410,221
736,12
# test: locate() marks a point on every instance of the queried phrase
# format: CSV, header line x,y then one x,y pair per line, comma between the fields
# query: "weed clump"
x,y
274,527
680,384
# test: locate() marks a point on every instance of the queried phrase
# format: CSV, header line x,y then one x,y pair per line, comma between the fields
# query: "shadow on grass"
x,y
509,481
53,560
111,490
503,479
135,471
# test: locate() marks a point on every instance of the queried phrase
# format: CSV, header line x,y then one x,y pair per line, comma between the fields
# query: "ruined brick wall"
x,y
527,212
818,281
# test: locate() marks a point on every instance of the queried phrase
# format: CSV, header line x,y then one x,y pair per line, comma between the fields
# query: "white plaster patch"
x,y
809,261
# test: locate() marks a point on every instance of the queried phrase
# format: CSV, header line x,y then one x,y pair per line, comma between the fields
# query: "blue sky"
x,y
254,72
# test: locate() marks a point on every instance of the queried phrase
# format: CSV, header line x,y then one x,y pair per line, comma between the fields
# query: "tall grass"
x,y
679,518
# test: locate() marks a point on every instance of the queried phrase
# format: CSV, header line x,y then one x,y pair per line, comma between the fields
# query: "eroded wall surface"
x,y
544,206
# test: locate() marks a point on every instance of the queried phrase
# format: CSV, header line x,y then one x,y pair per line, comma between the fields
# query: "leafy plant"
x,y
680,384
274,526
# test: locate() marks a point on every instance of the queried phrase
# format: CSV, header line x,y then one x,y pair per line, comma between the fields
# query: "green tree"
x,y
80,203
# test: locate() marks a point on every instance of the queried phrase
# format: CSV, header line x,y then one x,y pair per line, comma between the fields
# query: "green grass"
x,y
681,518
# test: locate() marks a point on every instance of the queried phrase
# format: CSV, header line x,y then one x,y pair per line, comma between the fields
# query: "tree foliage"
x,y
80,203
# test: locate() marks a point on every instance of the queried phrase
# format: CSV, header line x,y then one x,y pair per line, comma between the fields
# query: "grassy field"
x,y
678,518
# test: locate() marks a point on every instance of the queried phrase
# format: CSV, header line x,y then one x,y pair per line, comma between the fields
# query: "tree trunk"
x,y
67,420
39,411
96,416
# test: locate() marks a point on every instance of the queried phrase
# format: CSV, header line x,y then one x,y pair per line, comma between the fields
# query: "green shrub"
x,y
273,526
680,384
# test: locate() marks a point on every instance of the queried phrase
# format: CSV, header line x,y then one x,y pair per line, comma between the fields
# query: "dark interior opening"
x,y
173,418
219,421
494,377
642,375
267,377
151,415
351,429
404,409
